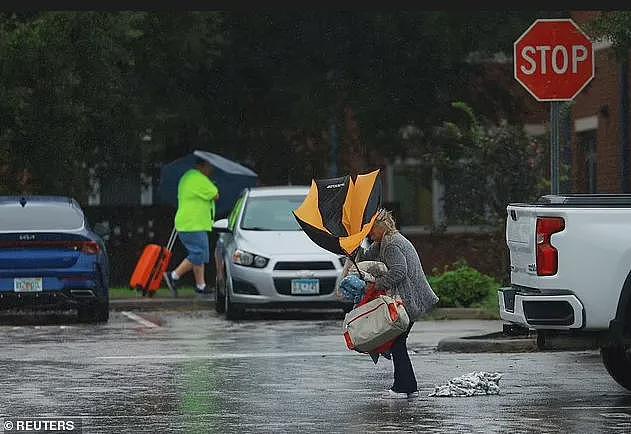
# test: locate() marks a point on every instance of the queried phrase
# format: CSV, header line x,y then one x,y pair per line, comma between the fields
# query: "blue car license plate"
x,y
305,286
29,284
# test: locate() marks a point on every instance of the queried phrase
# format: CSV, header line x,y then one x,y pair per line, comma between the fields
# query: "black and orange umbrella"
x,y
338,213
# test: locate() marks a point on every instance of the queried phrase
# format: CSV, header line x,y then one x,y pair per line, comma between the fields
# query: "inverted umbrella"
x,y
229,176
338,213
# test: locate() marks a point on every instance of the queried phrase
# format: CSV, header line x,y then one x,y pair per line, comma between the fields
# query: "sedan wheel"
x,y
233,312
220,295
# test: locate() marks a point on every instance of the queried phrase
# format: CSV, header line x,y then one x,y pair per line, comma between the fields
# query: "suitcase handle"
x,y
172,238
170,243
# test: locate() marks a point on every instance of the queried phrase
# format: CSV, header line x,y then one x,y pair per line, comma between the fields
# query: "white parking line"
x,y
232,355
140,320
596,408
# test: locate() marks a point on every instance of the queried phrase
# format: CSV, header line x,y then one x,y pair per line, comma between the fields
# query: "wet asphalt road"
x,y
194,372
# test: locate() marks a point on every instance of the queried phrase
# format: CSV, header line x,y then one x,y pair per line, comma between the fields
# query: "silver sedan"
x,y
265,260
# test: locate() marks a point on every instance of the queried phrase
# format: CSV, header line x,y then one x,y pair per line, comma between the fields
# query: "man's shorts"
x,y
196,244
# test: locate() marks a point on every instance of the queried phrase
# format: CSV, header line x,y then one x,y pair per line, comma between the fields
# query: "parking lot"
x,y
195,372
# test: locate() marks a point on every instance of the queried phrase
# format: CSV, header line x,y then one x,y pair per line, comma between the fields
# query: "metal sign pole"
x,y
554,147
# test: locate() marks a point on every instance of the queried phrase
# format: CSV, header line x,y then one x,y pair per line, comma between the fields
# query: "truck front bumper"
x,y
550,310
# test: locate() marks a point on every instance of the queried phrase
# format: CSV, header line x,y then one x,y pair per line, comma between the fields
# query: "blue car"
x,y
50,259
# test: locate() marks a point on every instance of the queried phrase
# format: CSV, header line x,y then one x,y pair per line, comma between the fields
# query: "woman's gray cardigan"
x,y
405,276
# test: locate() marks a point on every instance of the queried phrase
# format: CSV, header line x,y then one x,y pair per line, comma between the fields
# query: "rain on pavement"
x,y
195,372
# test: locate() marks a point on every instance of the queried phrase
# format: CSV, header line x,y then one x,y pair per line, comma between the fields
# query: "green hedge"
x,y
463,286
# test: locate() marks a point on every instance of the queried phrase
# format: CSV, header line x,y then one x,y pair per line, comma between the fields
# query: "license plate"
x,y
28,284
305,286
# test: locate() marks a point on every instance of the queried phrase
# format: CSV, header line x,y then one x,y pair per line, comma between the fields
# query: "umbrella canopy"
x,y
338,213
230,177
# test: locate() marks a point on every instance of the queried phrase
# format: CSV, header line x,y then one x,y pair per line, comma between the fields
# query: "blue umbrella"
x,y
230,177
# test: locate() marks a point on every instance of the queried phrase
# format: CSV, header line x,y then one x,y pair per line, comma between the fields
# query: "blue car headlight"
x,y
247,259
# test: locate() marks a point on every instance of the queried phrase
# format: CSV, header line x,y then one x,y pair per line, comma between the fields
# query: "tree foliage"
x,y
615,26
123,91
79,89
485,166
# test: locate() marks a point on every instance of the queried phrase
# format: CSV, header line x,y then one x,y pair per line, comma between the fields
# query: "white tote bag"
x,y
371,325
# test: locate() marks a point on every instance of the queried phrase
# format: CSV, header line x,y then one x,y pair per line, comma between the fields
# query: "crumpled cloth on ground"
x,y
471,384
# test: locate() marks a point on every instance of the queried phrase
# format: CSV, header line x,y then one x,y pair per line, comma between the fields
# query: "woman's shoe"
x,y
391,394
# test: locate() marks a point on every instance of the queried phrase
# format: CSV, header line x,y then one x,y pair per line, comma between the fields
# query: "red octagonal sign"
x,y
554,60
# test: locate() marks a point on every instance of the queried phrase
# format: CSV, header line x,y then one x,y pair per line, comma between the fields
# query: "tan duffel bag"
x,y
371,325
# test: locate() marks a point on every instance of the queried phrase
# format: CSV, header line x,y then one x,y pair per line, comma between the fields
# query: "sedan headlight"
x,y
248,259
260,262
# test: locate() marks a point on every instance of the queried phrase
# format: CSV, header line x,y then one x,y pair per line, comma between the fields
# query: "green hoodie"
x,y
196,196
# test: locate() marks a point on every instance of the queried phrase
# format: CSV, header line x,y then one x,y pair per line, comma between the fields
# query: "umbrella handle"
x,y
361,275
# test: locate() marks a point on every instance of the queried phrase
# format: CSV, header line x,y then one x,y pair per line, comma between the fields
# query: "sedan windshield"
x,y
271,213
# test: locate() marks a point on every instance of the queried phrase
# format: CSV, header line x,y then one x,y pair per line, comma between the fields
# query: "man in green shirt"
x,y
195,217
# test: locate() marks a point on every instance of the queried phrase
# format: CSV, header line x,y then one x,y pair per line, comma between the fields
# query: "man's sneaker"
x,y
413,395
204,290
391,394
171,283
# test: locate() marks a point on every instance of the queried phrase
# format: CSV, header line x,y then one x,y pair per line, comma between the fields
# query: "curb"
x,y
460,313
197,303
163,304
490,343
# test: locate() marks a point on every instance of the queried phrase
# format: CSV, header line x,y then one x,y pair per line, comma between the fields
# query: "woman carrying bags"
x,y
405,277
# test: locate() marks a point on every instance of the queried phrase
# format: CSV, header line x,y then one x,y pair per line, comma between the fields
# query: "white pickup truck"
x,y
570,259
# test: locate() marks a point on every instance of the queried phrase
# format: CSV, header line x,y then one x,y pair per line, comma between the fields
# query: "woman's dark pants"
x,y
404,379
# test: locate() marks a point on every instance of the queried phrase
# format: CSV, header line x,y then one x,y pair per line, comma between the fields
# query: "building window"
x,y
415,193
587,143
94,197
126,189
146,189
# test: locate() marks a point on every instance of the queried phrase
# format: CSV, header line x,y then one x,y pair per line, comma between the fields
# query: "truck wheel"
x,y
617,360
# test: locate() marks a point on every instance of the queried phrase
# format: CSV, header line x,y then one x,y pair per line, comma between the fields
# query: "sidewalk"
x,y
208,302
146,303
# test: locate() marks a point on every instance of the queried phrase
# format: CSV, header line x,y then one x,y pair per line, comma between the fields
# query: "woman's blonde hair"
x,y
386,221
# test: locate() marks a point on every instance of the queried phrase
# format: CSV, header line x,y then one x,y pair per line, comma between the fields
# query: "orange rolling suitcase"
x,y
153,262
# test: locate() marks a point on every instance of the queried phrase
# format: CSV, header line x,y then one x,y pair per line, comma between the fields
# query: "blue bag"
x,y
352,288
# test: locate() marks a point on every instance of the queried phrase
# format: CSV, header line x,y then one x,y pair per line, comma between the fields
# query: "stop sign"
x,y
553,60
